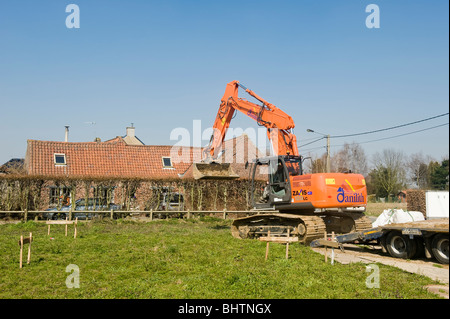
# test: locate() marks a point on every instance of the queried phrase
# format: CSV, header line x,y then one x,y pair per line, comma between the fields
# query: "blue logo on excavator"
x,y
349,198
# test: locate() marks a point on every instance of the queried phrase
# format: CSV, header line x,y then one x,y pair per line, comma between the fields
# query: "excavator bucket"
x,y
213,171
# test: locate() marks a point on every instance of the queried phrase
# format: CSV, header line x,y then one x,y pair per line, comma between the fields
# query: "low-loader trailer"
x,y
404,240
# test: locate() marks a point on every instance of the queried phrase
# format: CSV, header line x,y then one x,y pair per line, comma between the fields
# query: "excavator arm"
x,y
279,125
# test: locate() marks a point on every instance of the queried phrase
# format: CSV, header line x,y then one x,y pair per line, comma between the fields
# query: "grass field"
x,y
181,259
375,209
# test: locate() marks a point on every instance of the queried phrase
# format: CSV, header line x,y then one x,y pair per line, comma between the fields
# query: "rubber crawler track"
x,y
306,227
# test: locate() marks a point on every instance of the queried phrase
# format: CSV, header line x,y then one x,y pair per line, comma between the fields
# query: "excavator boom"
x,y
279,129
279,124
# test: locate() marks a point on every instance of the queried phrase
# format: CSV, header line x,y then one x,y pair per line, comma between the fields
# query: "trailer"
x,y
404,240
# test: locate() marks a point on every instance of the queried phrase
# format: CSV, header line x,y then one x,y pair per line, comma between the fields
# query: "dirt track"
x,y
367,254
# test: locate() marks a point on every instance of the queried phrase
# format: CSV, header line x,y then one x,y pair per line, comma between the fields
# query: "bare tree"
x,y
389,173
417,167
314,164
350,158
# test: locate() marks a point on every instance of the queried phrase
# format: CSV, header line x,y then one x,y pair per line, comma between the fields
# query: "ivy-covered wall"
x,y
39,193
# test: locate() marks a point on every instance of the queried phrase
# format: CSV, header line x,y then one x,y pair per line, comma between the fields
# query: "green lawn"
x,y
181,259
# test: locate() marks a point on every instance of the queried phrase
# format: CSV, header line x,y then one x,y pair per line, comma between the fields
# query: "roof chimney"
x,y
130,131
66,138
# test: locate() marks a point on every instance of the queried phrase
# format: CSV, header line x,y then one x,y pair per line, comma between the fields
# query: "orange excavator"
x,y
303,205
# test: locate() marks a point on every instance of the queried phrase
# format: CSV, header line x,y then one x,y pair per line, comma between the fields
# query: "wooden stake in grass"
x,y
329,243
29,249
280,240
332,249
22,241
267,245
63,222
75,229
287,244
21,251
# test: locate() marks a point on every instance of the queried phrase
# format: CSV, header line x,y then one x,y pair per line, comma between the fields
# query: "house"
x,y
123,157
130,138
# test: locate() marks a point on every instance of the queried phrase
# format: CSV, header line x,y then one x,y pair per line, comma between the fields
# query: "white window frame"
x,y
59,154
167,167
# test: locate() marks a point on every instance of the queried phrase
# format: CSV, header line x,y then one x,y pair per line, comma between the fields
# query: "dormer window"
x,y
60,159
167,162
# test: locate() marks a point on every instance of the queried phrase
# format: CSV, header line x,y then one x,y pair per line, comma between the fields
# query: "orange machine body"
x,y
328,190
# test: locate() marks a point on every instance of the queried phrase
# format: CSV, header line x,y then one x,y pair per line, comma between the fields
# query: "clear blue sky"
x,y
163,64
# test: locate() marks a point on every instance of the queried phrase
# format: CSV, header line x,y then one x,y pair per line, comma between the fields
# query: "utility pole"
x,y
328,154
328,168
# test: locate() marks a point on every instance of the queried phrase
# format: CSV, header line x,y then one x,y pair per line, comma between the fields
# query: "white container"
x,y
437,204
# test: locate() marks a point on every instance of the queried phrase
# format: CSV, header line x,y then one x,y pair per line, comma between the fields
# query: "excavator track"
x,y
305,227
346,222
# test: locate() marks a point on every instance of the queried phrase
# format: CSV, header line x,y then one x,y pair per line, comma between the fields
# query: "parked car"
x,y
80,205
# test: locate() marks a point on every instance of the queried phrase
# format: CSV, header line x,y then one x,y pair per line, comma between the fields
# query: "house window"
x,y
103,195
167,162
60,159
59,196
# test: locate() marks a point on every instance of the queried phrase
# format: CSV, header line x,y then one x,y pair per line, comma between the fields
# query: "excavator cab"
x,y
276,171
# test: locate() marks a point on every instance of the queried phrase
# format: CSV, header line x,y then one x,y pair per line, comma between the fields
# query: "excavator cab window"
x,y
277,189
278,180
293,165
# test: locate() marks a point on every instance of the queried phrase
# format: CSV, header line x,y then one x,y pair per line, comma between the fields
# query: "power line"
x,y
314,148
376,131
390,128
386,138
320,138
381,139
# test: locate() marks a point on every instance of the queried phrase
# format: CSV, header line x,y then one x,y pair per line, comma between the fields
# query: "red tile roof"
x,y
113,158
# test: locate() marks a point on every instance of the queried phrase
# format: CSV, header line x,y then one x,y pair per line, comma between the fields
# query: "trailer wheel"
x,y
439,247
400,246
